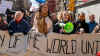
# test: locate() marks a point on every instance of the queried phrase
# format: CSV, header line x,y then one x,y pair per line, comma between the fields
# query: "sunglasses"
x,y
81,17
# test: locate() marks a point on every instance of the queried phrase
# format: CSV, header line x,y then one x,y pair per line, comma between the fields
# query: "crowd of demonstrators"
x,y
92,23
19,24
42,21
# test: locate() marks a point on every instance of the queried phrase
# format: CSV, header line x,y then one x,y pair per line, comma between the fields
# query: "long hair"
x,y
2,23
60,17
71,16
52,14
68,16
40,7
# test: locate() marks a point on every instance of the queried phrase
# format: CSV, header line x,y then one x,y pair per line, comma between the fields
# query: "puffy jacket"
x,y
22,26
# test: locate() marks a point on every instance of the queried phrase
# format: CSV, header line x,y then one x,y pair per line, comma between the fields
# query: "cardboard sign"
x,y
5,5
52,5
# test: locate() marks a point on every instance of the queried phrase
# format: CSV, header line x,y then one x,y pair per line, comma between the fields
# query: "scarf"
x,y
42,26
18,20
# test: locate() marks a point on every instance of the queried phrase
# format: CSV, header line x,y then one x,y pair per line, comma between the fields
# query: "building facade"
x,y
18,4
89,7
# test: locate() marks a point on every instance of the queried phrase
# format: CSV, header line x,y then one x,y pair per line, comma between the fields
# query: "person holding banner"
x,y
19,25
65,19
42,21
92,23
81,24
3,23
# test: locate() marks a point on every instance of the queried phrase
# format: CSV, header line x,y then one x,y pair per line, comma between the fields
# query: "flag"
x,y
41,1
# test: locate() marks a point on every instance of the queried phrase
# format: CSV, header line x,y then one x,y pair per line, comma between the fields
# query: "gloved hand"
x,y
11,33
24,33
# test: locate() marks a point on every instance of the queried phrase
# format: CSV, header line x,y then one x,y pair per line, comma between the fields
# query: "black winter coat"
x,y
81,24
22,26
57,28
54,23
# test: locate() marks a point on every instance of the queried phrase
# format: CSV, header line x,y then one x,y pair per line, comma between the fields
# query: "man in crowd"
x,y
19,24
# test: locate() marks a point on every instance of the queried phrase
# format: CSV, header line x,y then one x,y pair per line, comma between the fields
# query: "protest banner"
x,y
36,44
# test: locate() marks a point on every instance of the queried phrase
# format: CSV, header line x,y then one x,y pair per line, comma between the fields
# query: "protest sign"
x,y
35,44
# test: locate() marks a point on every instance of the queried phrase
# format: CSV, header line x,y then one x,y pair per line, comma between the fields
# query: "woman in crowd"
x,y
81,24
54,19
3,23
65,19
42,21
19,24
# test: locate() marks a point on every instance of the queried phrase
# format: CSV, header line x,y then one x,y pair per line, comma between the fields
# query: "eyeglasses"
x,y
81,17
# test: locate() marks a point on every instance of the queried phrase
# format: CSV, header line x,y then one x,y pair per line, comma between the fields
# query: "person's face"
x,y
0,18
13,16
18,16
54,17
65,16
92,18
82,17
44,9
